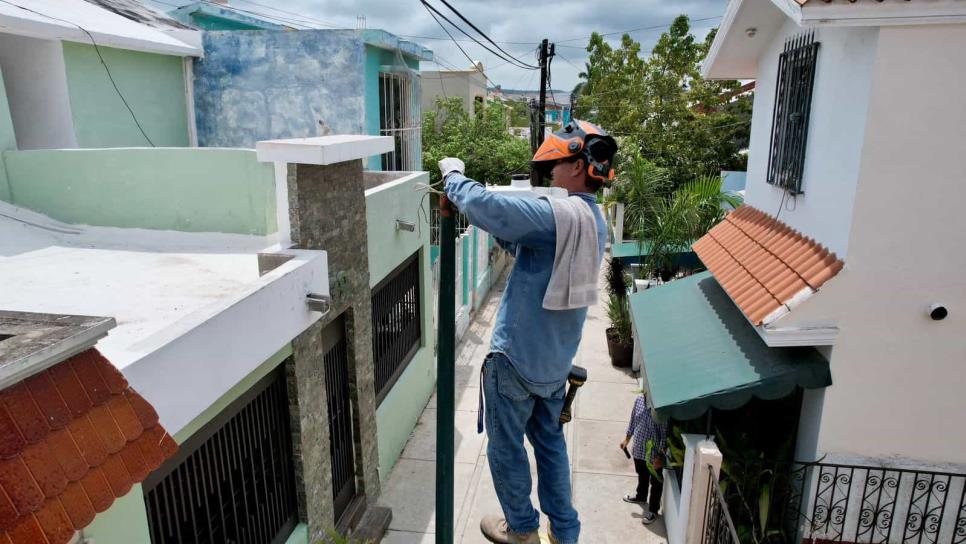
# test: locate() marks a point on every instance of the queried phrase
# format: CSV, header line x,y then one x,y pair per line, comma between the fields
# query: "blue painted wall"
x,y
258,85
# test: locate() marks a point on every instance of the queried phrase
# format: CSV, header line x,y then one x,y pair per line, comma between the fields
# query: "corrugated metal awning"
x,y
700,352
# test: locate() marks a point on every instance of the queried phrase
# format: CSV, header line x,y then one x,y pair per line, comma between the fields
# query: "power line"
x,y
465,54
481,33
484,46
103,63
655,27
299,15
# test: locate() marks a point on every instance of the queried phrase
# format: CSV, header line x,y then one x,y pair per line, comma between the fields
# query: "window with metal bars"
x,y
399,117
234,480
790,115
396,324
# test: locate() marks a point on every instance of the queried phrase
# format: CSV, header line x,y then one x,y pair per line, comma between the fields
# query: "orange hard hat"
x,y
578,139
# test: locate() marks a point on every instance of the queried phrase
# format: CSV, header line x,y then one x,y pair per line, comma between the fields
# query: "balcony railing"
x,y
828,502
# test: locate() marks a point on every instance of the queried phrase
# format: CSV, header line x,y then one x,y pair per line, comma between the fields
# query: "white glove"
x,y
449,165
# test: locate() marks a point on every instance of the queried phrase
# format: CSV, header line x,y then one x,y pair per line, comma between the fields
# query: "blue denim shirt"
x,y
539,343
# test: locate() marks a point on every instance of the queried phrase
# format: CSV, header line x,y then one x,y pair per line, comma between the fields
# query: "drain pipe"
x,y
445,370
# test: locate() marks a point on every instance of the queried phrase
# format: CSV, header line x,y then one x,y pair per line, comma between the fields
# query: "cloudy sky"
x,y
518,25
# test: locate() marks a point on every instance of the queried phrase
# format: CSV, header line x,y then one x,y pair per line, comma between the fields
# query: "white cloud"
x,y
505,21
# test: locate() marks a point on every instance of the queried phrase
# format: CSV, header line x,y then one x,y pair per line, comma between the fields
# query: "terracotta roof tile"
x,y
88,441
98,490
90,378
144,411
77,505
8,514
11,441
127,421
762,263
117,475
116,383
45,469
21,406
107,428
70,389
48,400
19,485
54,521
73,438
65,450
135,463
28,530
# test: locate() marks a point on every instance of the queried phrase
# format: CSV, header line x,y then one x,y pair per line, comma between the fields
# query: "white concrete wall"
x,y
448,84
36,83
835,135
898,376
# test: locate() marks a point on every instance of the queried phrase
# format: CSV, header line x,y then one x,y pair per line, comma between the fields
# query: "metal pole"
x,y
445,379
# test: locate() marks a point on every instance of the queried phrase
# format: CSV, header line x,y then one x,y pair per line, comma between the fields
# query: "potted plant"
x,y
620,339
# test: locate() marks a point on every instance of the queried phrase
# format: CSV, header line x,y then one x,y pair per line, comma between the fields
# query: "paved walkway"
x,y
601,473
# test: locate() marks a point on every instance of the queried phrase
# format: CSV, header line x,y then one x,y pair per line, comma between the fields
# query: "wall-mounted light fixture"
x,y
407,226
751,31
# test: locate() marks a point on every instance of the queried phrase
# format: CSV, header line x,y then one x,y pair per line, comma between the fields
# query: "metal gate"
x,y
336,361
233,481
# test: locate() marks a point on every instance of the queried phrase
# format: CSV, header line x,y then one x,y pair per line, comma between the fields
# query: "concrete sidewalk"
x,y
601,473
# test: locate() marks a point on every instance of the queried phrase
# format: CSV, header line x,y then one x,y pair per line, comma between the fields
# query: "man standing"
x,y
650,443
538,329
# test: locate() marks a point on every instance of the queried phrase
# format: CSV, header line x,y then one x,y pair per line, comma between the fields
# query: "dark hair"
x,y
592,184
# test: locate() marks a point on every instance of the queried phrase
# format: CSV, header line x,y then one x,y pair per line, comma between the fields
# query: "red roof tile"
x,y
762,263
73,438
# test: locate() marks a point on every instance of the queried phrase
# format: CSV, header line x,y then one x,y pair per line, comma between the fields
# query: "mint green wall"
x,y
152,84
190,190
388,247
377,57
125,522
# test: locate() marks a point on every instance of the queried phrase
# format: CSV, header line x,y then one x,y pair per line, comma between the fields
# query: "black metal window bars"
x,y
396,324
790,116
233,480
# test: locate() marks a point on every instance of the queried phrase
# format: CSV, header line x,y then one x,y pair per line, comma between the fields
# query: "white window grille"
x,y
399,117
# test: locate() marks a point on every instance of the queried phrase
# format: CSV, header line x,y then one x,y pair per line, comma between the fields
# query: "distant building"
x,y
469,85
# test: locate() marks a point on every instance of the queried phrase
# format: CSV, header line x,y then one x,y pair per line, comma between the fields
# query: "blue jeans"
x,y
514,408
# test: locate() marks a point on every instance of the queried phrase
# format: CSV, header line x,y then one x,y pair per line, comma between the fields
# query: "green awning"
x,y
700,352
625,250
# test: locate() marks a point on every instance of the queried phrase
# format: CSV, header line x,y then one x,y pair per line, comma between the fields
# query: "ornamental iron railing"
x,y
718,527
829,502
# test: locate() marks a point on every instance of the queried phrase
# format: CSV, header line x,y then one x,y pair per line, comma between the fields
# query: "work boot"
x,y
496,529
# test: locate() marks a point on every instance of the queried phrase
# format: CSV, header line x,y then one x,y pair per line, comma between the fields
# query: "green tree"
x,y
483,142
662,106
519,113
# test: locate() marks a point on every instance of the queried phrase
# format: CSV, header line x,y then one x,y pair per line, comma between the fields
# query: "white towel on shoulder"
x,y
576,262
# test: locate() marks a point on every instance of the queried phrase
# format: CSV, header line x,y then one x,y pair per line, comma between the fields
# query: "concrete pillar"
x,y
700,453
327,211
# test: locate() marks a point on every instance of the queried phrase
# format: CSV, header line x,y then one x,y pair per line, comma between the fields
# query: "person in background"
x,y
650,445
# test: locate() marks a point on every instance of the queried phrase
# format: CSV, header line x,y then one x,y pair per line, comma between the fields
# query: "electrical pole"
x,y
546,53
542,105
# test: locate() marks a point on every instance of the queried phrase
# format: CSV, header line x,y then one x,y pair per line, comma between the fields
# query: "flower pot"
x,y
621,355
